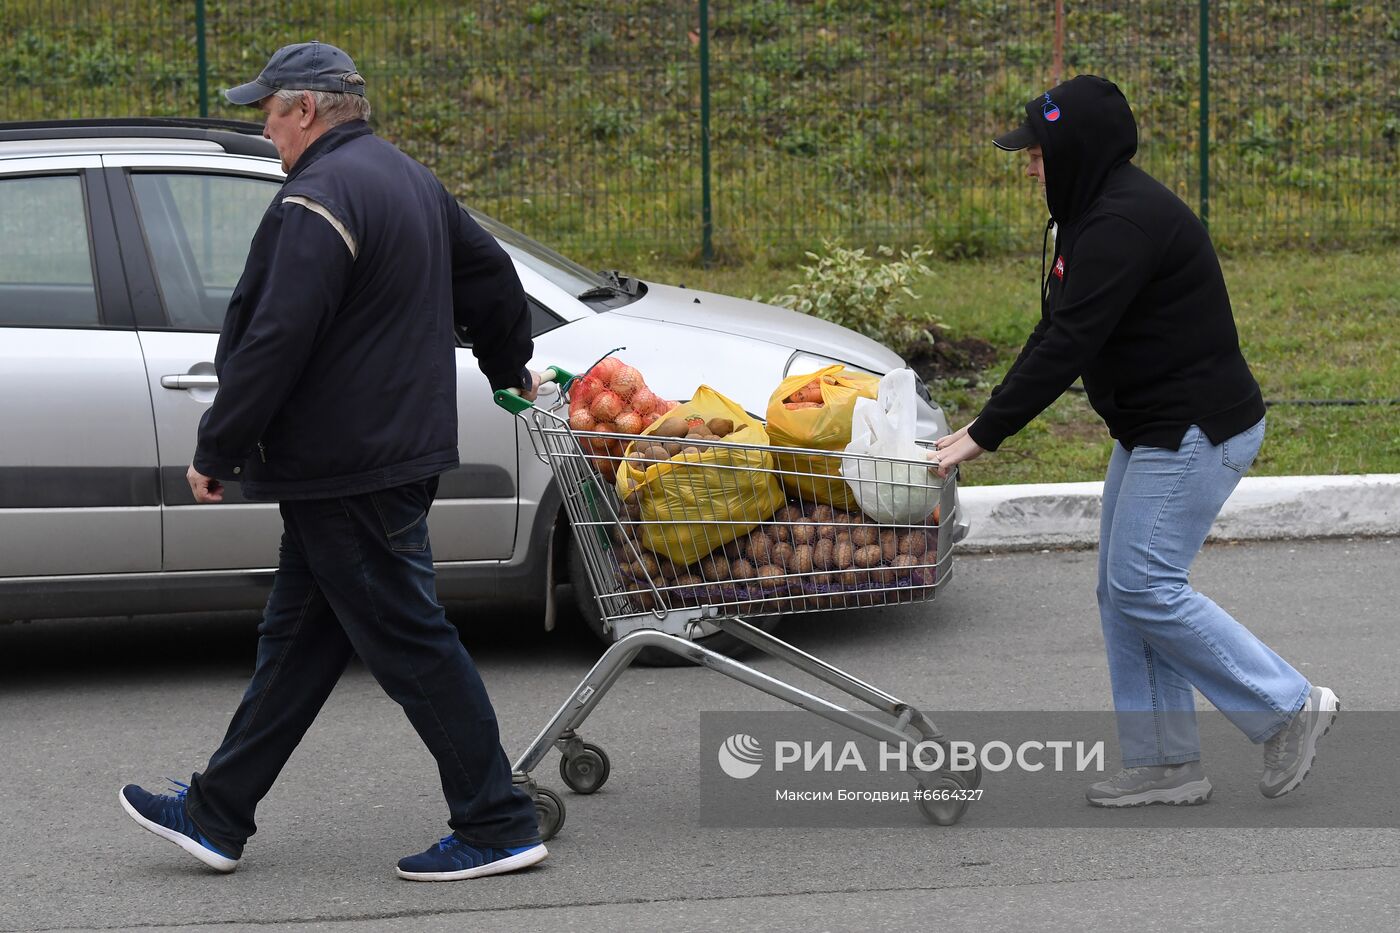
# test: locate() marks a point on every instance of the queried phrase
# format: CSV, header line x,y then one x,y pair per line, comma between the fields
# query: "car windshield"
x,y
564,272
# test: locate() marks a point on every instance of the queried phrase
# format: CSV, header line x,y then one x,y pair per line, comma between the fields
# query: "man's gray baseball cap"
x,y
305,66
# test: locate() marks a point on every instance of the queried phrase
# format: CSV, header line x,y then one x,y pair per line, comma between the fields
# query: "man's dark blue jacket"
x,y
336,363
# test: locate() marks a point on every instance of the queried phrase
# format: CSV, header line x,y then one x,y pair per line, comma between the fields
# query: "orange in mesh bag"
x,y
814,410
703,496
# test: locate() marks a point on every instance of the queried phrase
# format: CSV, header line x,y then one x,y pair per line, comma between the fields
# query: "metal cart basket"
x,y
710,533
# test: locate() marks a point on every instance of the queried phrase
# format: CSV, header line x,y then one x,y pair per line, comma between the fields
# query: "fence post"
x,y
203,58
707,246
1205,112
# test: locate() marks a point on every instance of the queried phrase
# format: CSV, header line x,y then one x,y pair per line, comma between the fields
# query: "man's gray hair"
x,y
332,107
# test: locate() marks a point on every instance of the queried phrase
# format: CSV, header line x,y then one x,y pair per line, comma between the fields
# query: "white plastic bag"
x,y
890,493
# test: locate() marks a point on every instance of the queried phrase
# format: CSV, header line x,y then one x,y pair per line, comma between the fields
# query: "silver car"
x,y
120,243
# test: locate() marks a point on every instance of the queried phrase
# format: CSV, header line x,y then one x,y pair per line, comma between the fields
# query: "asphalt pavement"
x,y
88,705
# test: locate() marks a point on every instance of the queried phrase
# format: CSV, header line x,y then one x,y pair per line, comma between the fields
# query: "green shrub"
x,y
862,292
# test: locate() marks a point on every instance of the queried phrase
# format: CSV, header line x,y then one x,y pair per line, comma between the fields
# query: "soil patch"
x,y
937,356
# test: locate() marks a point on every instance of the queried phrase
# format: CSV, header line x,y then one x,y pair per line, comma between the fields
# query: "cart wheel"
x,y
586,771
970,779
944,812
549,810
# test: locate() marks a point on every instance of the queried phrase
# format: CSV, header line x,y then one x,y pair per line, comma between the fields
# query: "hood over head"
x,y
1085,130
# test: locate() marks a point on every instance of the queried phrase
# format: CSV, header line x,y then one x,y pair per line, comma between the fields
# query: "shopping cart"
x,y
712,532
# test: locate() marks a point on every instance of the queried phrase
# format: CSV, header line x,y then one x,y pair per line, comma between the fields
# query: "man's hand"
x,y
954,449
206,489
530,394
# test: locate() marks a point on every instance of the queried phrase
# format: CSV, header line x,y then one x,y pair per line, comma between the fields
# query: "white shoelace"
x,y
1276,746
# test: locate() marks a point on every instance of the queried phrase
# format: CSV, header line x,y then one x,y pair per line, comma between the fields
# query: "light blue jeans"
x,y
1162,636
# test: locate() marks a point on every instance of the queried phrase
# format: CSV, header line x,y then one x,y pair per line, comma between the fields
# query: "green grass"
x,y
861,119
867,119
1313,326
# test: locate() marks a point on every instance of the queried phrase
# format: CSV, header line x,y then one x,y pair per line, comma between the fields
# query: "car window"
x,y
199,228
542,319
560,270
45,262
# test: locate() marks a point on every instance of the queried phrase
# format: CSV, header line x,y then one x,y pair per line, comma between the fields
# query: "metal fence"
x,y
613,130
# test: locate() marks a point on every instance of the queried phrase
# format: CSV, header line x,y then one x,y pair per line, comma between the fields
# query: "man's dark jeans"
x,y
356,575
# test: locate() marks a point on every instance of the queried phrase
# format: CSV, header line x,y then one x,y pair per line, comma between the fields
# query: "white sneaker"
x,y
1176,785
1289,754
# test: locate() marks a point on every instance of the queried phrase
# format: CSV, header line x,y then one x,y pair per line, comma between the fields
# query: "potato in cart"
x,y
699,496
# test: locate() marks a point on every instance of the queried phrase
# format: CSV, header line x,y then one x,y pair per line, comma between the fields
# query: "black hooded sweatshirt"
x,y
1134,302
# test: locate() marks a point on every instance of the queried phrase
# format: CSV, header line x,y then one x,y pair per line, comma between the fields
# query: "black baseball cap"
x,y
1015,140
305,66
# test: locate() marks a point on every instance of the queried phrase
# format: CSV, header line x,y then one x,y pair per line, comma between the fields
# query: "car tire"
x,y
720,643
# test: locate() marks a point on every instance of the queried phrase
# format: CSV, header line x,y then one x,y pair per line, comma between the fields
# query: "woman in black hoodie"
x,y
1135,305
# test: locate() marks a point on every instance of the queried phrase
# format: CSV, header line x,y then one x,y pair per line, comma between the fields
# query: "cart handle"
x,y
512,401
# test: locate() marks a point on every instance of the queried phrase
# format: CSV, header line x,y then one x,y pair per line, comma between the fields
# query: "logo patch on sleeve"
x,y
1060,267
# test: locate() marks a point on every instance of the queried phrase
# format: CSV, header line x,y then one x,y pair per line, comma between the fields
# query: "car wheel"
x,y
720,643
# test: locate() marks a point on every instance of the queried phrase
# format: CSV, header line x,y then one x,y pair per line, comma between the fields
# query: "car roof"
x,y
161,134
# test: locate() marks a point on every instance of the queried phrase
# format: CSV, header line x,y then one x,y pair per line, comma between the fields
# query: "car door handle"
x,y
188,381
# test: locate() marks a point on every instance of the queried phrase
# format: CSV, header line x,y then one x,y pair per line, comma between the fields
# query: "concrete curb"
x,y
1265,507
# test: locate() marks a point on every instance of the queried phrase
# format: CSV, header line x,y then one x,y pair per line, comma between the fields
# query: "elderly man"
x,y
337,399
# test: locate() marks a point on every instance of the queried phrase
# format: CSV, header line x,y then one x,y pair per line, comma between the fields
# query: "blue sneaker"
x,y
453,860
164,815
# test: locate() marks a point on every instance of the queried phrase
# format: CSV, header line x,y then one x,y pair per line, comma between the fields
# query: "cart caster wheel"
x,y
549,810
586,771
970,779
943,812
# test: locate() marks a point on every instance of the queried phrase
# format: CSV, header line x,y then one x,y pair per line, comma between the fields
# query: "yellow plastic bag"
x,y
688,501
824,428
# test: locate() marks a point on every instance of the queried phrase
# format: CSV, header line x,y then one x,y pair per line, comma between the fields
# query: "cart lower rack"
x,y
708,533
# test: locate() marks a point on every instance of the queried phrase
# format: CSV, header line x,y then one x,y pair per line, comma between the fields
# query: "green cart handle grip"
x,y
512,401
